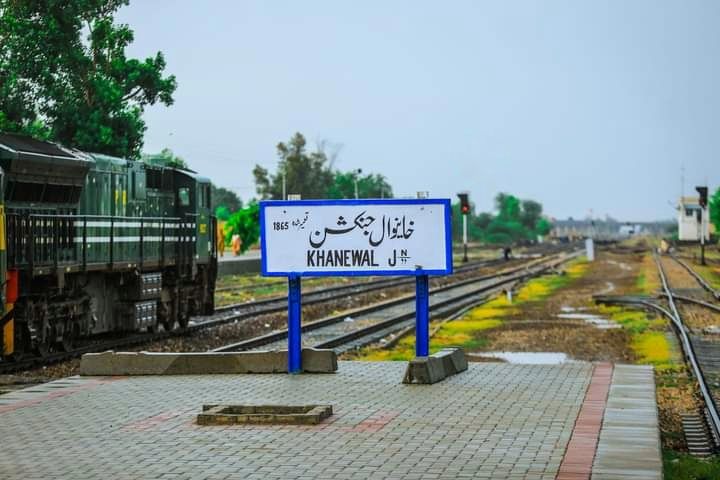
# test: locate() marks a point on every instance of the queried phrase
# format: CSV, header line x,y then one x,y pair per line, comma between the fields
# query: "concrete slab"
x,y
629,444
205,363
230,264
493,421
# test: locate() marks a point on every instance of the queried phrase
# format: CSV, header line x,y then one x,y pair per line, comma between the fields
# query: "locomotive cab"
x,y
194,208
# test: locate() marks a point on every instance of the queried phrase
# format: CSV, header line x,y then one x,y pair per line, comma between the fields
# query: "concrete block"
x,y
263,414
453,359
205,363
436,367
316,361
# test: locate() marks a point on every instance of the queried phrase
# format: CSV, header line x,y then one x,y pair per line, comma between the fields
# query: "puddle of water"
x,y
712,330
529,358
623,266
592,319
566,309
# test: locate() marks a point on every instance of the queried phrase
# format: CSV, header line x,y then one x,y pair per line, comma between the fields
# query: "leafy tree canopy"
x,y
515,221
715,209
166,158
64,75
305,173
368,186
311,175
246,223
222,198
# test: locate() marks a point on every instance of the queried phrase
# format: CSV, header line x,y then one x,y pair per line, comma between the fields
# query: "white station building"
x,y
689,224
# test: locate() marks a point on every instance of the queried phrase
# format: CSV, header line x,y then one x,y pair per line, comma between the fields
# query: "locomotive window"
x,y
154,178
25,191
184,196
38,192
56,193
204,196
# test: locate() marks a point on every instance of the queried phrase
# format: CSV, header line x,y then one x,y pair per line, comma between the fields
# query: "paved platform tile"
x,y
492,421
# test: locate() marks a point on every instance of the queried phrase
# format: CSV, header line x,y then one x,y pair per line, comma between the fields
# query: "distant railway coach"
x,y
94,244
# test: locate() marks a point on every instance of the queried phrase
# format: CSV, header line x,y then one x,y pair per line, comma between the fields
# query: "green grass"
x,y
469,331
679,466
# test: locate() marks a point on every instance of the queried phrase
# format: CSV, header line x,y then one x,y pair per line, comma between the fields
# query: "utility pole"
x,y
284,174
355,178
465,210
703,200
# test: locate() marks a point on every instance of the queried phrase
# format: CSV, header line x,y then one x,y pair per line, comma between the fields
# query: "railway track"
x,y
697,355
367,325
702,355
699,278
240,312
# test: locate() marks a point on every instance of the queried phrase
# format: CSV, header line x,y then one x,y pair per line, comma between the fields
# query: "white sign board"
x,y
356,237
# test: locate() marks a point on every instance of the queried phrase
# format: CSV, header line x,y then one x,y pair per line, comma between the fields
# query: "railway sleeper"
x,y
699,441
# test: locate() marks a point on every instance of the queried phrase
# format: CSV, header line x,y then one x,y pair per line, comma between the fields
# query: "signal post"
x,y
464,210
703,201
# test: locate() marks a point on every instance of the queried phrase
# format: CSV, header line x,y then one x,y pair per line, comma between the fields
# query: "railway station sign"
x,y
356,237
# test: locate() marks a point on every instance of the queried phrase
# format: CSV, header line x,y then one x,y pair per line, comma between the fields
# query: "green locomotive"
x,y
92,244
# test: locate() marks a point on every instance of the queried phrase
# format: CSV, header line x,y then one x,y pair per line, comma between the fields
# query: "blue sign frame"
x,y
390,201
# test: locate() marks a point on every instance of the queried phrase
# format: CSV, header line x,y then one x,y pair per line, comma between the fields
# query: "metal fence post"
x,y
294,325
422,316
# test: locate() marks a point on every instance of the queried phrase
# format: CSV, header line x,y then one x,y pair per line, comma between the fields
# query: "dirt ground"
x,y
536,327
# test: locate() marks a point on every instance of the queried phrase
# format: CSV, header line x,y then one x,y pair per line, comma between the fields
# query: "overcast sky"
x,y
580,105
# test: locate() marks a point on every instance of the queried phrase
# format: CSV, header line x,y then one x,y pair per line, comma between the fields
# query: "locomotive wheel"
x,y
43,349
67,344
168,325
68,341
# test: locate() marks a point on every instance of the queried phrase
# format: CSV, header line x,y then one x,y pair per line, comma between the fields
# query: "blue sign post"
x,y
294,325
422,316
351,238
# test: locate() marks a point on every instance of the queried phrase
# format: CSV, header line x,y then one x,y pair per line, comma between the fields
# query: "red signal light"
x,y
464,203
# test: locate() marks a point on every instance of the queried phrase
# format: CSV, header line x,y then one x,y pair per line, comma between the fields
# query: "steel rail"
x,y
686,299
676,320
697,277
680,327
512,276
364,286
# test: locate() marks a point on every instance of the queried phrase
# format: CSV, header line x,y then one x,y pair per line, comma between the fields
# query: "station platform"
x,y
248,262
496,420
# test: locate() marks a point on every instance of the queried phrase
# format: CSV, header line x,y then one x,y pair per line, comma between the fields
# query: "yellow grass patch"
x,y
653,347
466,331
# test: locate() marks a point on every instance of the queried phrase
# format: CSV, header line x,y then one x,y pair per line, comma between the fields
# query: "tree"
x,y
222,213
715,209
305,173
82,92
543,226
166,158
369,186
246,223
222,197
508,206
516,221
530,214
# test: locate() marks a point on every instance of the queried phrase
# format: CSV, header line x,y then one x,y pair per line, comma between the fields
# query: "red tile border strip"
x,y
580,452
